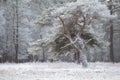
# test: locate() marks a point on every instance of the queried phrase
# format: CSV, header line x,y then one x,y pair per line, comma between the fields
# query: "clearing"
x,y
59,71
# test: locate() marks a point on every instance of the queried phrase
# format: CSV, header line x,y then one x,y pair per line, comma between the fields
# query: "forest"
x,y
65,30
69,39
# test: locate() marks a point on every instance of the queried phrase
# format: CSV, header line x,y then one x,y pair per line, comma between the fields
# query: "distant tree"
x,y
114,7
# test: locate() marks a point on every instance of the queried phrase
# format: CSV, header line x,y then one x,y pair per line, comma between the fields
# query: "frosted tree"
x,y
73,27
17,21
114,7
15,32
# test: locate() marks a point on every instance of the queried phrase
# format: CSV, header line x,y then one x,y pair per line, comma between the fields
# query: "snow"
x,y
59,71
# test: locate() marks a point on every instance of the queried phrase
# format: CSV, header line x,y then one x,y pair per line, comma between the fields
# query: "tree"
x,y
17,33
11,31
111,33
113,6
73,27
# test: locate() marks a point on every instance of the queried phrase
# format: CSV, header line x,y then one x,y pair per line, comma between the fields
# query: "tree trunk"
x,y
17,34
78,57
84,61
43,53
75,56
111,34
111,43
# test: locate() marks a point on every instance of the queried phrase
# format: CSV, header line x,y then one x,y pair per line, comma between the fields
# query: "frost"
x,y
51,27
59,71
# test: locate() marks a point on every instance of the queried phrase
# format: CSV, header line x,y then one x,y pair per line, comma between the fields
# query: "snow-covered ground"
x,y
59,71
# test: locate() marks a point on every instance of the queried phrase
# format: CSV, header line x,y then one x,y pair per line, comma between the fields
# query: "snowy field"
x,y
59,71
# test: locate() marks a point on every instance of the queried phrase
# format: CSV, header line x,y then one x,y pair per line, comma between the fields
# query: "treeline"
x,y
28,33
